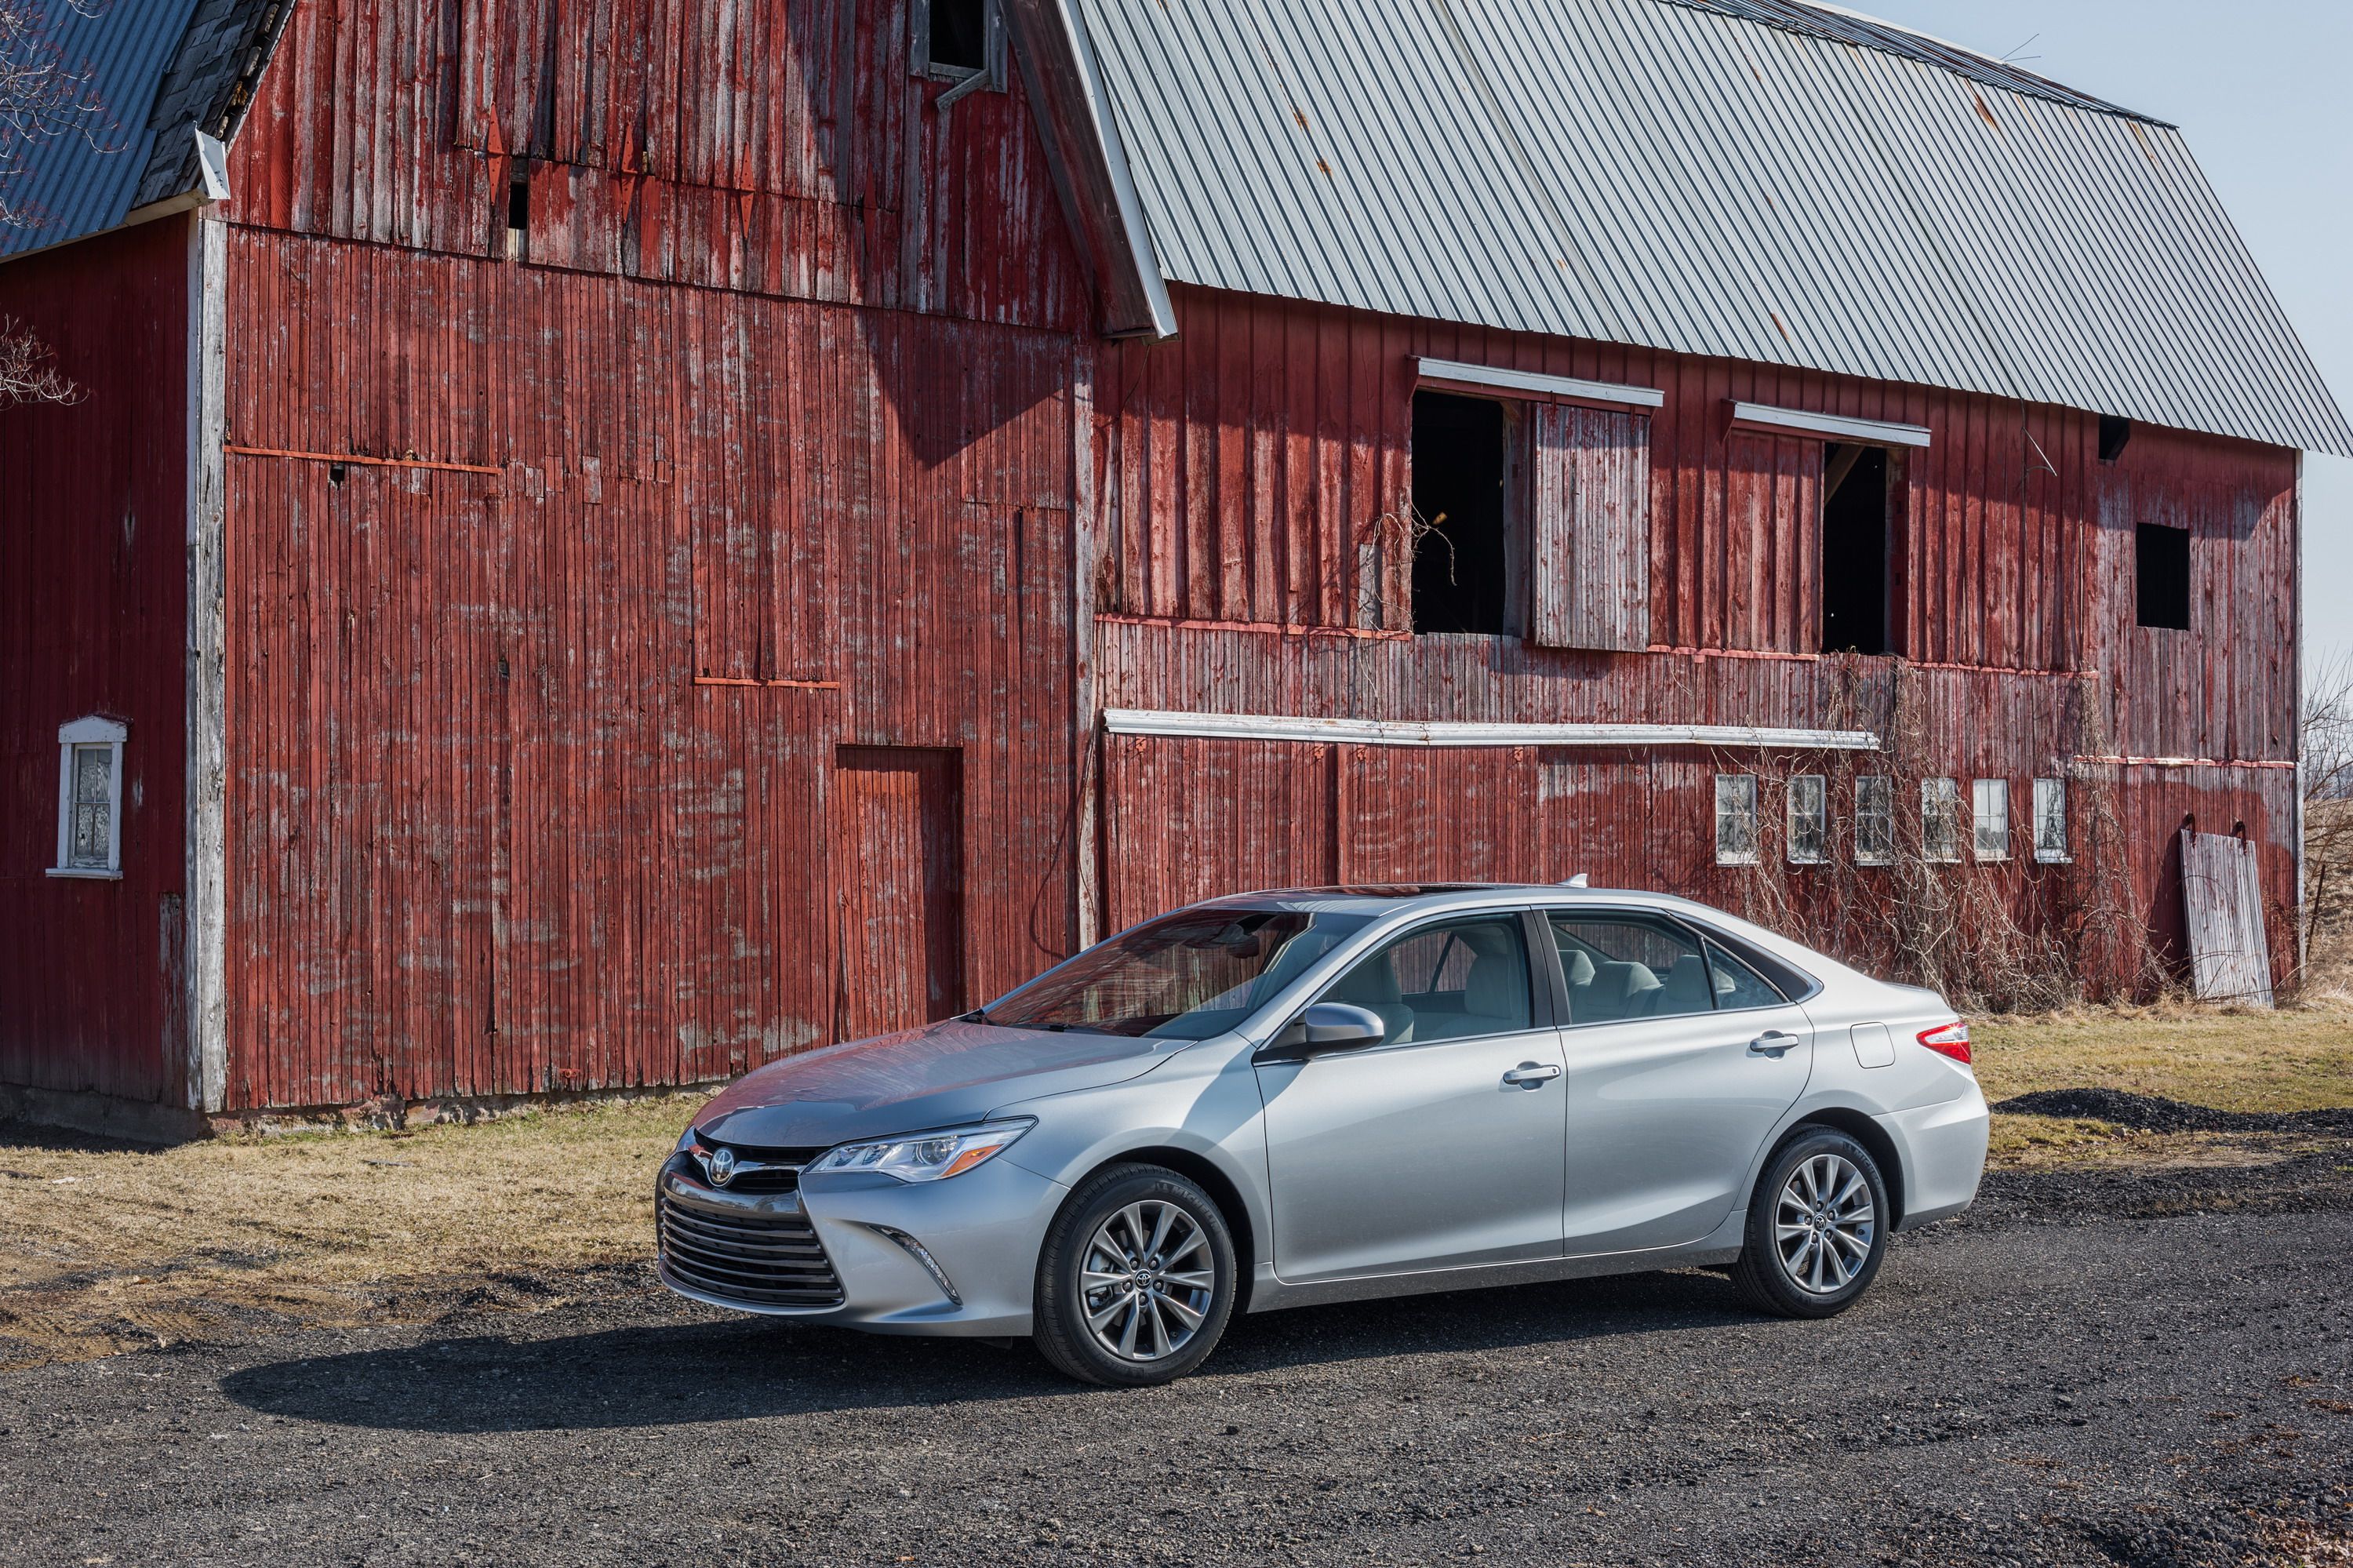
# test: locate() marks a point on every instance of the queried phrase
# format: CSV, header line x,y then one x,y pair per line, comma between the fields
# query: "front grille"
x,y
762,1260
786,1179
783,1172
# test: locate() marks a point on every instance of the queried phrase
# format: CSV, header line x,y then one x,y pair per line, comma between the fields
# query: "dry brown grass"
x,y
103,1250
2298,1058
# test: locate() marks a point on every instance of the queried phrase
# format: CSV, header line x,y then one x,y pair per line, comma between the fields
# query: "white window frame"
x,y
1990,819
1881,812
1940,802
1803,785
2046,791
1738,802
89,734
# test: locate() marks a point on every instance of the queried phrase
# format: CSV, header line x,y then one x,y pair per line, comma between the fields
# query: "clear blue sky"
x,y
2262,88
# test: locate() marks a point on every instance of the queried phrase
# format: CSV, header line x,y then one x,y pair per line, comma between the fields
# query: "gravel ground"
x,y
2078,1372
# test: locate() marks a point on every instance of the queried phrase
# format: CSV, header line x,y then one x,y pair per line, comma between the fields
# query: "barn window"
x,y
1991,800
1809,819
89,798
2161,575
1736,819
2050,820
960,41
1874,819
1940,819
1855,529
519,212
2115,434
1468,560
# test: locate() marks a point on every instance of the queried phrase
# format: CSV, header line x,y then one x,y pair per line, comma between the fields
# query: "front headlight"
x,y
927,1156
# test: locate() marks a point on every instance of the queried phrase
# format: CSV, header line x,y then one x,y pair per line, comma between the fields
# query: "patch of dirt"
x,y
2153,1113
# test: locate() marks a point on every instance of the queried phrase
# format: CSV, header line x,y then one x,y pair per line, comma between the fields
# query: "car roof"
x,y
1384,898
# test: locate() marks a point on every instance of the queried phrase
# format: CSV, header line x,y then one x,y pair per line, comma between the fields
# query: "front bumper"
x,y
981,1230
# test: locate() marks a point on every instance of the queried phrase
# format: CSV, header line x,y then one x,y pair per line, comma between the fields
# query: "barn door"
x,y
1592,546
898,879
2222,897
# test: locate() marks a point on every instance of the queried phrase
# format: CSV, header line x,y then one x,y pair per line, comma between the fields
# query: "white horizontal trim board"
x,y
1872,432
1496,378
1439,733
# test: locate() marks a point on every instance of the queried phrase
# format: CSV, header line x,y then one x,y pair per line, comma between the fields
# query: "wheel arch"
x,y
1860,1127
1223,1191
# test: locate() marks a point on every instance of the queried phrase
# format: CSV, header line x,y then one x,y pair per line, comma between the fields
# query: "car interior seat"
x,y
1620,989
1374,984
1683,991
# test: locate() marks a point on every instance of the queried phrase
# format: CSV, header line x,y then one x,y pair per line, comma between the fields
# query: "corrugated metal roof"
x,y
1753,179
162,68
1841,25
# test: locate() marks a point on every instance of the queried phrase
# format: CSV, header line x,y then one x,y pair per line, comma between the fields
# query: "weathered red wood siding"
x,y
1248,464
772,147
93,592
763,450
1246,468
489,828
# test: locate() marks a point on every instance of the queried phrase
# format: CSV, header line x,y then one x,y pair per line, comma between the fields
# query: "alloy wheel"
x,y
1147,1280
1824,1223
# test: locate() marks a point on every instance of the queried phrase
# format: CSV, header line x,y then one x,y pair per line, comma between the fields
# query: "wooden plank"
x,y
1591,524
2222,892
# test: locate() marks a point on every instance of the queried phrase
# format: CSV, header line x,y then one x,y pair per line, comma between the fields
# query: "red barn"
x,y
607,540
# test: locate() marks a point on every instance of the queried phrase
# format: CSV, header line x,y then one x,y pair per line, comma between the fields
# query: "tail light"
x,y
1948,1040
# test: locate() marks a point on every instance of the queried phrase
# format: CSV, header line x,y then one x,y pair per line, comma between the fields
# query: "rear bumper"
x,y
1942,1148
980,1233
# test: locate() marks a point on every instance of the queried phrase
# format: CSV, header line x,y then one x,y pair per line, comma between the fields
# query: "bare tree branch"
x,y
2326,732
43,96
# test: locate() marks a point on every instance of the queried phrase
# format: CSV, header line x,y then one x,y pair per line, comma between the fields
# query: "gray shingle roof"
x,y
1754,179
163,69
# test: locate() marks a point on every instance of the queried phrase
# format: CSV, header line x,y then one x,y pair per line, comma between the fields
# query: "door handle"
x,y
1532,1074
1773,1042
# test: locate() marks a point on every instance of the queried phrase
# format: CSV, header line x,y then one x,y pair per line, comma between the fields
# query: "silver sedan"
x,y
1286,1098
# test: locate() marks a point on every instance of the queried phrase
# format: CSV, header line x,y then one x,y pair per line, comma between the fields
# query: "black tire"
x,y
1763,1274
1063,1330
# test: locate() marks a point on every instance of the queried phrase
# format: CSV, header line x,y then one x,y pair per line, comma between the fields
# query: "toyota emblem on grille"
x,y
722,1167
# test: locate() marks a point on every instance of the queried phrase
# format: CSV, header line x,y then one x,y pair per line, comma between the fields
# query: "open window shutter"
x,y
1592,534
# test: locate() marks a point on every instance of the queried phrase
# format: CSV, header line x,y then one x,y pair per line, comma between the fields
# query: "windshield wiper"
x,y
978,1015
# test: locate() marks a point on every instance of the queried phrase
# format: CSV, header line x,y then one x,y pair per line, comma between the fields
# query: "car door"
x,y
1679,1060
1441,1145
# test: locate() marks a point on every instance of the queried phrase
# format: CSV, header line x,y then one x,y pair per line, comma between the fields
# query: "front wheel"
x,y
1817,1227
1136,1278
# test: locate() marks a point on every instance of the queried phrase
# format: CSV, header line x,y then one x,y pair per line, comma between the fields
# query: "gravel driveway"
x,y
2040,1382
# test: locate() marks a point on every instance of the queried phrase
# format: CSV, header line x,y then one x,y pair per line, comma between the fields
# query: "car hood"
x,y
937,1075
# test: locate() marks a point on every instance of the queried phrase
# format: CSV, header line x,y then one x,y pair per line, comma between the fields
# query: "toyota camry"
x,y
1286,1098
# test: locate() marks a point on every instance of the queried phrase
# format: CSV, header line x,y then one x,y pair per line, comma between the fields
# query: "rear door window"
x,y
1457,980
1625,967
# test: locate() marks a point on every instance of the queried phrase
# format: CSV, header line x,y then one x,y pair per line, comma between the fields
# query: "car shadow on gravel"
x,y
680,1373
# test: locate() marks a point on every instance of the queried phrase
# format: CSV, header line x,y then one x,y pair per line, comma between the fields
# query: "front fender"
x,y
1204,1101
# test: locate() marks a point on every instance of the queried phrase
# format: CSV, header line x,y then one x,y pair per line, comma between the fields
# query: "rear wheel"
x,y
1817,1227
1136,1278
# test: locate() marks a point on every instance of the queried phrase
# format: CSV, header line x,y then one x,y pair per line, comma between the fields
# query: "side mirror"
x,y
1327,1026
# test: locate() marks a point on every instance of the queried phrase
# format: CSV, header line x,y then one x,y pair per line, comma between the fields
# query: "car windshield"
x,y
1185,976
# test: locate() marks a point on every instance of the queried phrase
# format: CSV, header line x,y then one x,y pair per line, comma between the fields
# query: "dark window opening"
x,y
2114,433
519,212
959,39
1854,549
2161,575
1462,565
